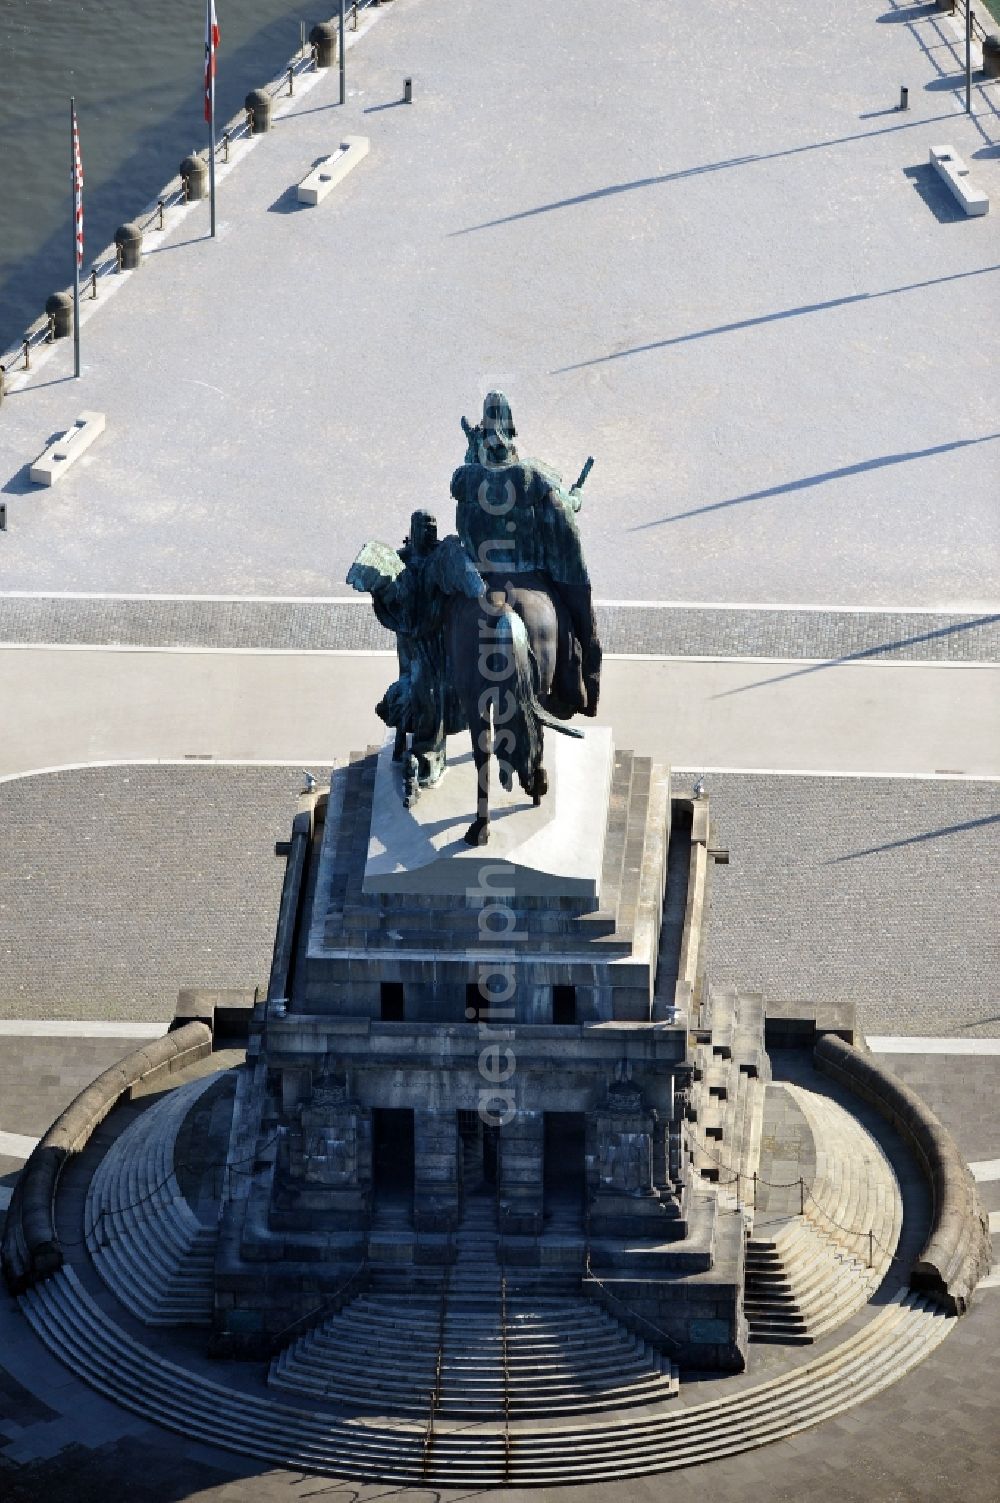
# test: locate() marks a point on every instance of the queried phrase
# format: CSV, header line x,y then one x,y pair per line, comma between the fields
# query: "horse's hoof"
x,y
540,787
478,832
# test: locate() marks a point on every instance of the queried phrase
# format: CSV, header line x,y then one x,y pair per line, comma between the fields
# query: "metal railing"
x,y
959,7
18,356
504,1357
435,1396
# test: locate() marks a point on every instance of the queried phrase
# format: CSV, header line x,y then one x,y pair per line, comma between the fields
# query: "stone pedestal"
x,y
451,1017
553,851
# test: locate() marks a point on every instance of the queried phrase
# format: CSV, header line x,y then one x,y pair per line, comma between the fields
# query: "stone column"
x,y
435,1171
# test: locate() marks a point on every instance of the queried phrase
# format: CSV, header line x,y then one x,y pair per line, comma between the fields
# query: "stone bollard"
x,y
128,238
991,55
59,308
324,38
194,176
258,104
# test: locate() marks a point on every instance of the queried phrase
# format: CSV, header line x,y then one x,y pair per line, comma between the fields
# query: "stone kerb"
x,y
957,1252
31,1249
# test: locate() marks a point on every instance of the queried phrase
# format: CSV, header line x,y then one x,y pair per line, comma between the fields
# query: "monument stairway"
x,y
315,1438
145,1240
524,1342
815,1269
547,1357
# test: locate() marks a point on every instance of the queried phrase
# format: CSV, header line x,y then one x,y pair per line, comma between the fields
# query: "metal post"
x,y
302,38
755,1189
343,58
211,136
904,97
93,281
802,1196
26,347
871,1256
968,57
76,251
291,78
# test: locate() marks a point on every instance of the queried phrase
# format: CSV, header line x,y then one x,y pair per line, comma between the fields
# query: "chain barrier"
x,y
590,1274
310,1315
804,1195
171,1174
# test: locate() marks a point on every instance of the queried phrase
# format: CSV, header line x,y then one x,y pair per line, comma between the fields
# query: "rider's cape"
x,y
516,519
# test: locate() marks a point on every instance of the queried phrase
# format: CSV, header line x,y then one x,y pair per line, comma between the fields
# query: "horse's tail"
x,y
517,738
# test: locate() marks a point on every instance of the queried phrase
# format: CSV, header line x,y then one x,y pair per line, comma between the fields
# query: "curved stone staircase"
x,y
817,1268
546,1357
317,1439
146,1242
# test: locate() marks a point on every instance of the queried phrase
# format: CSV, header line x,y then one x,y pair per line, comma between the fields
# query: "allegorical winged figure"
x,y
495,627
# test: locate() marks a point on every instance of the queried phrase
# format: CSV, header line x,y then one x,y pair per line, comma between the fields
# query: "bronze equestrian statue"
x,y
495,628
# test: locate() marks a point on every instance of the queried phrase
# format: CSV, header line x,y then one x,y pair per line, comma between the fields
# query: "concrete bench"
x,y
332,170
67,448
952,170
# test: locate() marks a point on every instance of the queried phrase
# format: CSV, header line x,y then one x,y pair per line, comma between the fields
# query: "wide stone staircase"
x,y
816,1267
453,1452
477,1343
146,1242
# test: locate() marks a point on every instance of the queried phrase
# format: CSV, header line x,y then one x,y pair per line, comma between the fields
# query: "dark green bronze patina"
x,y
494,627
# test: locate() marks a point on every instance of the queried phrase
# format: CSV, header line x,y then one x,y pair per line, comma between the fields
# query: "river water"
x,y
136,68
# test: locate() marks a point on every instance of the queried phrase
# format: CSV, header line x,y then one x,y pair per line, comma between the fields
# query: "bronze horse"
x,y
502,651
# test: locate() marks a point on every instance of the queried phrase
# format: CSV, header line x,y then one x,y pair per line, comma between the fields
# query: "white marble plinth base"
x,y
556,850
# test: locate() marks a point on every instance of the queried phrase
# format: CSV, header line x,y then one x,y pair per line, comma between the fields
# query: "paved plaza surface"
x,y
900,719
881,892
704,247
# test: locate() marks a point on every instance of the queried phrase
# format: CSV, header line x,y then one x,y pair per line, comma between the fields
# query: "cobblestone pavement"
x,y
125,884
625,627
875,891
799,411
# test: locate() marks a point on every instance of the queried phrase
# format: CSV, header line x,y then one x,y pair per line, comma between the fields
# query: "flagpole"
x,y
211,137
76,253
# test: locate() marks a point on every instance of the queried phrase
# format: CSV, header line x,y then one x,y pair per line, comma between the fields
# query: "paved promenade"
x,y
705,248
902,719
